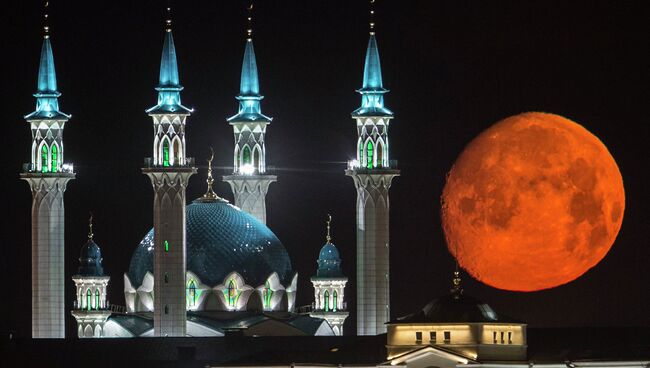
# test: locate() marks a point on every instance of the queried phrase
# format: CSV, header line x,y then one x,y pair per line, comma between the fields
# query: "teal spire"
x,y
169,87
47,102
250,108
372,92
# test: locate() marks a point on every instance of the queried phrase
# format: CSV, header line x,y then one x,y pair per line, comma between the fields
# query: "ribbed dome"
x,y
452,309
221,238
329,262
90,260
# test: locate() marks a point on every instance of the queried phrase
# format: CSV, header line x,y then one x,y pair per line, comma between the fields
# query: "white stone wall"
x,y
250,193
48,220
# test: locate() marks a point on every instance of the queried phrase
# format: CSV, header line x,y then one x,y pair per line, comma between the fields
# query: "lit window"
x,y
418,337
191,293
267,293
54,158
494,337
231,293
166,246
432,336
246,156
334,303
165,152
166,278
44,158
369,151
89,296
327,300
447,337
97,299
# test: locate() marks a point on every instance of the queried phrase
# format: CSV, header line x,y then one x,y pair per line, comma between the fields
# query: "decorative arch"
x,y
370,153
245,155
97,299
257,158
89,296
164,153
379,153
326,301
177,154
43,157
360,153
334,301
54,157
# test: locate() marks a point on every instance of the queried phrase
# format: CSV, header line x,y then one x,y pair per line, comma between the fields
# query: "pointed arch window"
x,y
89,296
256,158
231,293
97,295
326,299
44,159
54,155
191,293
177,152
360,153
369,153
246,155
335,301
380,154
165,152
267,294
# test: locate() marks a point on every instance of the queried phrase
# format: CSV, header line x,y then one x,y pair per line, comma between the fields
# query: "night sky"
x,y
453,68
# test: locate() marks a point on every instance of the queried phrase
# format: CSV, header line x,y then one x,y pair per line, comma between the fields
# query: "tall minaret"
x,y
169,171
329,286
372,172
91,305
47,176
249,181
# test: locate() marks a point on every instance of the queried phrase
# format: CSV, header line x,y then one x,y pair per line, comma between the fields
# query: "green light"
x,y
165,153
96,299
327,301
44,156
191,293
246,155
335,303
231,294
166,246
369,149
267,294
54,158
88,299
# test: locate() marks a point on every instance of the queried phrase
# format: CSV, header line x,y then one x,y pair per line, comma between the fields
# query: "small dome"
x,y
329,262
221,239
452,309
90,260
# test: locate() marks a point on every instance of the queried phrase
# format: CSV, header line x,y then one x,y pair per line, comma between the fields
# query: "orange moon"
x,y
532,203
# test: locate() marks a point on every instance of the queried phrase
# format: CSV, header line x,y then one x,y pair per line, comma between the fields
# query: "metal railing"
x,y
148,163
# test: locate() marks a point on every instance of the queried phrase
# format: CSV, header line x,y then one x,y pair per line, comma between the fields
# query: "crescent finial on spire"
x,y
210,195
372,17
90,226
249,22
168,21
328,237
46,24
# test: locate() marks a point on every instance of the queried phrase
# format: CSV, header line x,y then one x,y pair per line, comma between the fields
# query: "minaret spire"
x,y
249,181
90,227
328,237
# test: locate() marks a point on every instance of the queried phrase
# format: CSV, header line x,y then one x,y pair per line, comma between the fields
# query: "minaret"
x,y
169,171
91,306
47,176
329,286
372,172
249,181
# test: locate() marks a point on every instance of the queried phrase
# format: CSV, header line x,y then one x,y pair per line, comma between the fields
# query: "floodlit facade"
x,y
372,172
249,181
329,286
48,177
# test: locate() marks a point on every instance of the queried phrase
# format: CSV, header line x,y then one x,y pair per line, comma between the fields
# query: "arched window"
x,y
89,296
97,303
360,153
165,152
44,159
232,293
54,157
334,302
380,154
369,151
267,293
256,158
246,156
326,298
177,152
191,292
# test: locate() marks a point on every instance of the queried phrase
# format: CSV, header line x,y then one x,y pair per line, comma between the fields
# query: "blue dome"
x,y
90,260
221,238
329,262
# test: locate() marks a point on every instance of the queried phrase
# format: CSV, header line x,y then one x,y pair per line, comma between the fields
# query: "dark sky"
x,y
453,68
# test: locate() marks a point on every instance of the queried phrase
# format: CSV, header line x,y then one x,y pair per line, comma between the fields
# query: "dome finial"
x,y
210,194
328,222
456,289
249,22
90,226
46,24
168,21
372,17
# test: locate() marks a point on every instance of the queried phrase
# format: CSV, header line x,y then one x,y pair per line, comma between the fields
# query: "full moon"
x,y
532,203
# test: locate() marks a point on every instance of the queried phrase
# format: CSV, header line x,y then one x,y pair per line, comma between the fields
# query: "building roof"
x,y
250,107
47,102
90,260
221,239
372,92
455,308
329,262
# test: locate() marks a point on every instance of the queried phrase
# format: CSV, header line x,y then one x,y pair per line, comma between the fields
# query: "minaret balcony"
x,y
29,168
356,166
149,164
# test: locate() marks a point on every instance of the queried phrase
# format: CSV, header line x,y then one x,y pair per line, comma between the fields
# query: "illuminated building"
x,y
372,172
329,286
249,181
47,176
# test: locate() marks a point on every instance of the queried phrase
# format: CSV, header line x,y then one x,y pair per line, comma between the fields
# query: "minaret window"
x,y
360,152
246,156
89,296
177,152
380,154
326,298
369,153
256,158
54,158
335,302
165,152
166,246
97,304
44,159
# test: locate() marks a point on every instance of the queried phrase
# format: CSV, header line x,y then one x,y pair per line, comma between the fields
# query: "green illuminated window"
x,y
54,158
326,297
334,303
97,299
369,151
166,246
246,155
89,296
165,152
231,293
191,293
267,293
44,157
